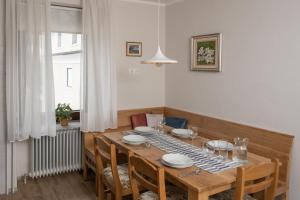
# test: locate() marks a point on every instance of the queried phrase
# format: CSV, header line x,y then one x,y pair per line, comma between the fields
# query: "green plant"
x,y
63,111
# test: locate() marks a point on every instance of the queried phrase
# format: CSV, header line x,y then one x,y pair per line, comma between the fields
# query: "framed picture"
x,y
206,52
134,49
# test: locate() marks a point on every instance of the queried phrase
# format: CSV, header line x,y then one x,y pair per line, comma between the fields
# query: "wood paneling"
x,y
124,115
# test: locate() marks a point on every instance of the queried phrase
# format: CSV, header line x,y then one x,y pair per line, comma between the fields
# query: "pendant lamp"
x,y
159,58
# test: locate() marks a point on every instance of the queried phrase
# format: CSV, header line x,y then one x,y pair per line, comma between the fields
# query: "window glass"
x,y
66,68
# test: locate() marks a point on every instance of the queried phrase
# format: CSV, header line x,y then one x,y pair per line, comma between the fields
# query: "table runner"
x,y
202,160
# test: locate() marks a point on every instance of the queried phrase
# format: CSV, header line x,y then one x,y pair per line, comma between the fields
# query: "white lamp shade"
x,y
159,58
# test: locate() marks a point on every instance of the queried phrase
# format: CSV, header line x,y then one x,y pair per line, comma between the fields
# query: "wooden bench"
x,y
266,143
262,142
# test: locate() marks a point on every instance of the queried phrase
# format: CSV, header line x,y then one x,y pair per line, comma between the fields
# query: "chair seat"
x,y
229,195
123,175
173,193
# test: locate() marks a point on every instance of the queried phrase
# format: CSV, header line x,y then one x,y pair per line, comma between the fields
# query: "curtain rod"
x,y
69,6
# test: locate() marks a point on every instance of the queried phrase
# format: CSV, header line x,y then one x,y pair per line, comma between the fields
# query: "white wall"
x,y
259,84
2,104
137,22
131,22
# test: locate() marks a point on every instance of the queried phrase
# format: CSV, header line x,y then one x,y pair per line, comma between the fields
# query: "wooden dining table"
x,y
200,185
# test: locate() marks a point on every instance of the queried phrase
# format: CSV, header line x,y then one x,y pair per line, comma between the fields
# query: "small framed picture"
x,y
206,52
134,49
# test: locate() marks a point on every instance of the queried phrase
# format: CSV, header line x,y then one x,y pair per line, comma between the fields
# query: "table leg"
x,y
194,195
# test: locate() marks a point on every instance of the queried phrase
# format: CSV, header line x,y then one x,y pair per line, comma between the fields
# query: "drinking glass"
x,y
124,133
223,149
210,150
193,133
201,146
240,150
161,124
156,129
147,145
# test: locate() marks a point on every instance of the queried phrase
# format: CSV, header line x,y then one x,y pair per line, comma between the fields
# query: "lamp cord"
x,y
158,15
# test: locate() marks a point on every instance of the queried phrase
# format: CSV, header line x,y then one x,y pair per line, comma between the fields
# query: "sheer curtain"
x,y
98,109
29,72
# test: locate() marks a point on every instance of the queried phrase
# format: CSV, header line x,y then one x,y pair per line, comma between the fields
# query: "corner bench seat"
x,y
262,142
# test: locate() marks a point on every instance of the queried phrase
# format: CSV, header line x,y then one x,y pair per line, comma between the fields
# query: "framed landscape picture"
x,y
206,52
134,49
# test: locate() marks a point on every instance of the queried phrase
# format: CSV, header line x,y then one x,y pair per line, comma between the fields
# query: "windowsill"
x,y
72,125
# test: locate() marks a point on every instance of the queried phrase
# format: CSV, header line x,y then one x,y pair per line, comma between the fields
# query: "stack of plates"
x,y
220,144
176,160
182,133
134,139
144,130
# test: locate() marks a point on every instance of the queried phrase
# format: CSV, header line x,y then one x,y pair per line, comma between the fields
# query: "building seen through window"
x,y
66,54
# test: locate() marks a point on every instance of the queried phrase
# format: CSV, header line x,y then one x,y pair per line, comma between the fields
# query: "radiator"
x,y
55,155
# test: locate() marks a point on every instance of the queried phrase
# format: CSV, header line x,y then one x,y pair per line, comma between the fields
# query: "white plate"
x,y
144,130
223,145
134,139
177,160
183,133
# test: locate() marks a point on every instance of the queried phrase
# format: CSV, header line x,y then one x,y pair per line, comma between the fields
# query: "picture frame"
x,y
206,52
134,49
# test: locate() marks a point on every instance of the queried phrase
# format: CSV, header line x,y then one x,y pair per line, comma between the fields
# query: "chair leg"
x,y
118,196
101,192
285,196
112,196
97,184
85,171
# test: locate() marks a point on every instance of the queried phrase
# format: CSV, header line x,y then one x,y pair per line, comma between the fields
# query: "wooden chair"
x,y
252,180
152,178
108,174
261,178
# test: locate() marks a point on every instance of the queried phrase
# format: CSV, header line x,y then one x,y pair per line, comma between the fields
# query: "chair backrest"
x,y
256,179
176,122
105,155
138,120
147,175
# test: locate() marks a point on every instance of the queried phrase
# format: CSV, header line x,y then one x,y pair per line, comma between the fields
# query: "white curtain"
x,y
98,109
29,72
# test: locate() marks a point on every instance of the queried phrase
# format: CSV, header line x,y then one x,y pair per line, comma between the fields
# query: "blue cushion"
x,y
176,122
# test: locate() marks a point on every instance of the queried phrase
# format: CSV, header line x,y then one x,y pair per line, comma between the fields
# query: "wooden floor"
x,y
62,187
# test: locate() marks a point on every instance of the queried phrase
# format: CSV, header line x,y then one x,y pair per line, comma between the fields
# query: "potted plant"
x,y
63,113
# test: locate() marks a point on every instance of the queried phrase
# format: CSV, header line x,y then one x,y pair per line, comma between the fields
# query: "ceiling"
x,y
155,2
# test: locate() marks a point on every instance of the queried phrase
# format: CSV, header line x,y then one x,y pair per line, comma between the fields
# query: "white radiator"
x,y
54,155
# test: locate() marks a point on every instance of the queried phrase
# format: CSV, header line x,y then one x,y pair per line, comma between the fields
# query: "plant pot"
x,y
64,122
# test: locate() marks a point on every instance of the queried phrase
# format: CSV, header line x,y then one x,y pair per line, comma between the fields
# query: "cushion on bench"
x,y
176,122
138,120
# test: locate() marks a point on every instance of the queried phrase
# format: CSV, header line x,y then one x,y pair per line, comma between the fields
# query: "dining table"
x,y
200,185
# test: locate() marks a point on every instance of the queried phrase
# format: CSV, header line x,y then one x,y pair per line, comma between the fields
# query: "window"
x,y
69,77
58,39
66,68
74,38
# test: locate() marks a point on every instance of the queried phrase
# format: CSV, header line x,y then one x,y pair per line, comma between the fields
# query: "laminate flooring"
x,y
69,186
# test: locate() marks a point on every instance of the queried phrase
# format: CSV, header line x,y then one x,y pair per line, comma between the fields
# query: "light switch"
x,y
132,71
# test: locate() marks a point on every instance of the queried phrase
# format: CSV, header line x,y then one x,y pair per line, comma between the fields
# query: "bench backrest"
x,y
262,142
124,122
